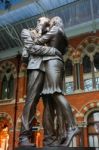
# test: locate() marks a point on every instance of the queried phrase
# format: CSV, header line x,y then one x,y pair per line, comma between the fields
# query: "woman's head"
x,y
57,21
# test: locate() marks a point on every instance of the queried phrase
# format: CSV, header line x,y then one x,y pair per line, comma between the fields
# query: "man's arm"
x,y
39,50
46,37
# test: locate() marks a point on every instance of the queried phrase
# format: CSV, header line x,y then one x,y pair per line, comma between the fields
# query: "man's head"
x,y
43,25
57,21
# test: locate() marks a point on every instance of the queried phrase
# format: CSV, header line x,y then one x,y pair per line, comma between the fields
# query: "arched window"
x,y
88,83
69,68
86,64
93,129
69,76
7,85
10,87
96,62
96,69
4,88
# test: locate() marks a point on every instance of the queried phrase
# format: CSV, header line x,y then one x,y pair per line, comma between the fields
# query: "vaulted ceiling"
x,y
23,14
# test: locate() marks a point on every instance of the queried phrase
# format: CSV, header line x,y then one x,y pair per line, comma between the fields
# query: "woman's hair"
x,y
57,21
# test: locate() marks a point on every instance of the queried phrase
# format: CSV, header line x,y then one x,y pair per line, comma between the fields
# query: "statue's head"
x,y
57,21
43,24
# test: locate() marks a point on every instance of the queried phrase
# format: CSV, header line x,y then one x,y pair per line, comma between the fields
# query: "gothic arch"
x,y
5,65
89,112
88,108
87,45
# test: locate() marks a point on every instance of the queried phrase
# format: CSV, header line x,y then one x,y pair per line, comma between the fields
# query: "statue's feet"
x,y
70,135
25,142
54,144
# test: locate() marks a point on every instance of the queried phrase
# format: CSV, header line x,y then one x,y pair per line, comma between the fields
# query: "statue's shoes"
x,y
70,136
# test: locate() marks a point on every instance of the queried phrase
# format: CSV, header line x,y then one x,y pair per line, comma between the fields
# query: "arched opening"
x,y
93,129
96,69
68,68
96,61
69,76
4,88
86,64
7,86
88,83
10,87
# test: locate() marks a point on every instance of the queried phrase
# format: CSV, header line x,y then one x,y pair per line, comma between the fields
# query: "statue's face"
x,y
42,24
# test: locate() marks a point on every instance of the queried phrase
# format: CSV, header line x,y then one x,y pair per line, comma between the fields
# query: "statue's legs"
x,y
66,108
53,122
35,85
54,85
54,76
67,111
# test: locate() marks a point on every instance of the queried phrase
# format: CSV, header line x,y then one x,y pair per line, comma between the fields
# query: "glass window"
x,y
7,86
86,64
96,62
97,83
93,129
69,87
68,68
10,87
88,85
4,88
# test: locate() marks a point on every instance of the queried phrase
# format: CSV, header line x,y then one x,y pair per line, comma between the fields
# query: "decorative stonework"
x,y
8,65
89,46
85,110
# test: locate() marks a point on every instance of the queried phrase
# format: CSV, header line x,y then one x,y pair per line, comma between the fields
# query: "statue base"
x,y
55,148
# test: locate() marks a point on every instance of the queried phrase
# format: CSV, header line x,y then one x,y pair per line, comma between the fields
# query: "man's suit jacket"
x,y
36,52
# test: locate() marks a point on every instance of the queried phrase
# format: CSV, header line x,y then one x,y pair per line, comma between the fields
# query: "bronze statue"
x,y
54,73
46,66
35,81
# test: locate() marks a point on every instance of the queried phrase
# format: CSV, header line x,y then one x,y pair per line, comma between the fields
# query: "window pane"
x,y
96,141
93,117
68,67
86,64
96,61
91,141
69,87
93,129
10,87
88,85
97,83
4,88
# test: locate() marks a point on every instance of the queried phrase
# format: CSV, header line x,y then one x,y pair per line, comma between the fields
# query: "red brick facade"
x,y
82,103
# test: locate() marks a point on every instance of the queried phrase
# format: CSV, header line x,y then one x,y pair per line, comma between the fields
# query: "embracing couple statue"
x,y
44,47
